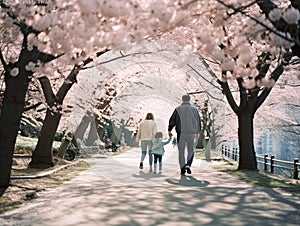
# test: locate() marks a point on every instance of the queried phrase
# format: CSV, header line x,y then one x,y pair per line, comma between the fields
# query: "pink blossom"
x,y
227,65
249,84
291,15
275,14
266,82
14,72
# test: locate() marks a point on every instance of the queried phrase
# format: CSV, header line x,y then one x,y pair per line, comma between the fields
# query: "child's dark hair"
x,y
158,135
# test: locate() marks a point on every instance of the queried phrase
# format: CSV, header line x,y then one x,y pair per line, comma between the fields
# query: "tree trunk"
x,y
42,155
93,134
247,158
14,100
82,127
12,109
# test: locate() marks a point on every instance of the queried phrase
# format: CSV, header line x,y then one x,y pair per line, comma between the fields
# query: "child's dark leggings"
x,y
159,158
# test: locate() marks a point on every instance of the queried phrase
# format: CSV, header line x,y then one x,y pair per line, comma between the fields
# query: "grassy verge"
x,y
260,178
22,190
26,145
212,154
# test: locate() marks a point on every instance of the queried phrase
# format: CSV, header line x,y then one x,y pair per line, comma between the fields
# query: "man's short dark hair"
x,y
186,98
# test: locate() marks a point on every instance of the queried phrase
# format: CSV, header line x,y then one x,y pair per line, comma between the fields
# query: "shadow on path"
x,y
207,197
188,181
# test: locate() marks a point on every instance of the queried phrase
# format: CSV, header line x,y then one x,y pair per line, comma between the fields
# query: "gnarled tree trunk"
x,y
12,109
42,155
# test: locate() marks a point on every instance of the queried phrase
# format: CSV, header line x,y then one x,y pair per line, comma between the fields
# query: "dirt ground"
x,y
22,190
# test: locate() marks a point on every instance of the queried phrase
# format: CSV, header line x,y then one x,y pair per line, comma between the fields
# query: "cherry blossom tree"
x,y
17,78
38,32
250,42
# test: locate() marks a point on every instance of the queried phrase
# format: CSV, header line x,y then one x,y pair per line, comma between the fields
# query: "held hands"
x,y
170,134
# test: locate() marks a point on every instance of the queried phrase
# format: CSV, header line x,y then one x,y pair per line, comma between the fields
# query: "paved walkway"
x,y
115,192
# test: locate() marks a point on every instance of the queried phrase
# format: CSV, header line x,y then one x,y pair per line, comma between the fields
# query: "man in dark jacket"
x,y
187,122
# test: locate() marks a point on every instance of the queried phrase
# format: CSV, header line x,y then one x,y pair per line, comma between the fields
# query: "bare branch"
x,y
89,60
211,73
119,57
206,93
32,106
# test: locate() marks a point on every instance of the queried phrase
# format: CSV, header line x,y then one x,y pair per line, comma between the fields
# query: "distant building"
x,y
282,146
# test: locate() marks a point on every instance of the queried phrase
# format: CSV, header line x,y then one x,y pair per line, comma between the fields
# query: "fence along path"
x,y
269,164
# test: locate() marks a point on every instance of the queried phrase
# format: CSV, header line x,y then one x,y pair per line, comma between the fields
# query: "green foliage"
x,y
59,136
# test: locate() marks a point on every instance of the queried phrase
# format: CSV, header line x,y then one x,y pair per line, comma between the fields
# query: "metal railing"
x,y
269,164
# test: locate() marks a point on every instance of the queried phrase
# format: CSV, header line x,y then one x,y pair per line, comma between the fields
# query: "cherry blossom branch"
x,y
5,66
89,60
274,75
47,90
262,66
228,94
291,128
25,29
51,98
267,6
69,82
43,57
292,85
293,125
266,91
207,66
211,73
259,22
72,77
238,9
